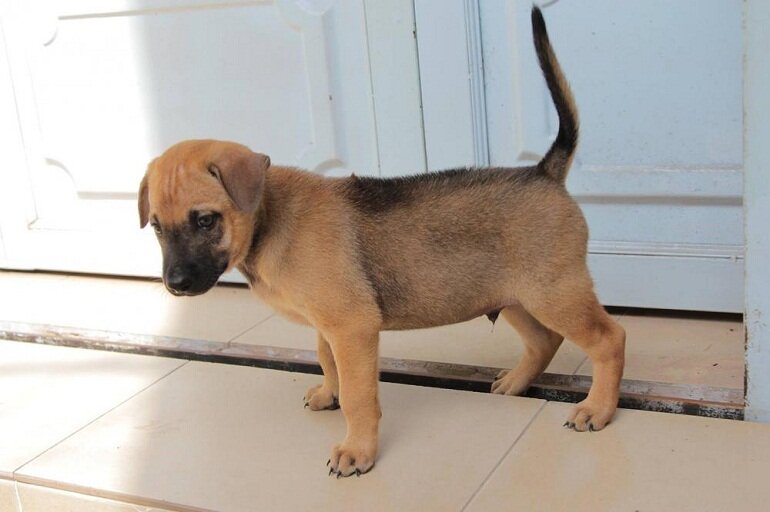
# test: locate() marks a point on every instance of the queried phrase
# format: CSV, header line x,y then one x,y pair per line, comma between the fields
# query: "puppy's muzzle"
x,y
180,281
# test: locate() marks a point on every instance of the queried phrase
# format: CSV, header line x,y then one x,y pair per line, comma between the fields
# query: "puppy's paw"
x,y
318,398
588,416
348,459
510,382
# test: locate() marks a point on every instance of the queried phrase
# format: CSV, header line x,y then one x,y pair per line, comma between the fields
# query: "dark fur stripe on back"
x,y
378,195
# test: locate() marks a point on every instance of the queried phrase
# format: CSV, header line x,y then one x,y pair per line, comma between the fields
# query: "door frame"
x,y
756,207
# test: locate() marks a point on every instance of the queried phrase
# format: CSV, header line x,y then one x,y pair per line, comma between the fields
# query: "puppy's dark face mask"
x,y
201,198
193,257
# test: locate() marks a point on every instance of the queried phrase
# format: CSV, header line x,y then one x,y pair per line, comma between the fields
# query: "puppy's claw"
x,y
358,472
331,470
339,474
591,427
328,462
566,424
307,404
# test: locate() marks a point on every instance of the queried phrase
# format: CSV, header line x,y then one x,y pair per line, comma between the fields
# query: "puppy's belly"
x,y
422,300
423,318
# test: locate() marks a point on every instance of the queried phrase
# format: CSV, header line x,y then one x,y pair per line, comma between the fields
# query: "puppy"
x,y
356,256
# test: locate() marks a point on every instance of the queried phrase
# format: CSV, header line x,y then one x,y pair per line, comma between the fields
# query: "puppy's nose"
x,y
178,280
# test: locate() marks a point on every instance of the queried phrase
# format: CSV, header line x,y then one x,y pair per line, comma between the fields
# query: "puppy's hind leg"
x,y
540,345
569,307
324,396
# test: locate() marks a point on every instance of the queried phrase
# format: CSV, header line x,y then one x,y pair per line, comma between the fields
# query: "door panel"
x,y
91,90
101,88
658,172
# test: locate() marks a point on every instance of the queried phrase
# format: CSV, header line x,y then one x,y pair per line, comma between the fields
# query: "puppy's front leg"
x,y
355,352
324,396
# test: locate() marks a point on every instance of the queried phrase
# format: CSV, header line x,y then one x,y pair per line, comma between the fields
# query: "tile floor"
x,y
132,432
706,351
47,392
127,305
646,461
682,350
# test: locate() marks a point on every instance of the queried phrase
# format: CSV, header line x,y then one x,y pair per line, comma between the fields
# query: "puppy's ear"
x,y
144,203
243,177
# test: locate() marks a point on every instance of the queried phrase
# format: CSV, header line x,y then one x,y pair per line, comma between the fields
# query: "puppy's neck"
x,y
248,266
272,227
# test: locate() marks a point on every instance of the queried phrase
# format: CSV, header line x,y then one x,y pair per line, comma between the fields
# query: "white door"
x,y
658,171
90,91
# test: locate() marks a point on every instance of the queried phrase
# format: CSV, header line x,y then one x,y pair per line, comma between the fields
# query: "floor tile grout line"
x,y
60,441
229,342
19,506
151,504
505,455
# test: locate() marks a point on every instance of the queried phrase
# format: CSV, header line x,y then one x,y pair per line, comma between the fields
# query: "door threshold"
x,y
696,400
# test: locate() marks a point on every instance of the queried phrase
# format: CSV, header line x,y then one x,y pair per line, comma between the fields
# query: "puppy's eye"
x,y
206,221
157,229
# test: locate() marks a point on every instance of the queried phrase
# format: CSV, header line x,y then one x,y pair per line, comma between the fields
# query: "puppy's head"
x,y
201,197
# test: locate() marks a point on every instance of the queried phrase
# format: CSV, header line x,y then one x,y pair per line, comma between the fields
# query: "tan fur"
x,y
355,256
522,250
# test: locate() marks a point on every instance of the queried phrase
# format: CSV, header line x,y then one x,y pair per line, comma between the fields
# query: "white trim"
x,y
3,257
701,185
520,128
17,207
451,61
669,282
392,43
671,250
477,87
756,156
445,83
321,155
73,9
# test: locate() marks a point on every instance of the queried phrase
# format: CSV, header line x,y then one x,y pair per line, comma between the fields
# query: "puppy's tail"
x,y
557,161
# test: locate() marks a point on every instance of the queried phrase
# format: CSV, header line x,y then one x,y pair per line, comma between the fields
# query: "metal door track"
x,y
694,400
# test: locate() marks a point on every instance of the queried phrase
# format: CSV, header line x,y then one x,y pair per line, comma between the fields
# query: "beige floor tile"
x,y
128,305
36,498
60,300
279,332
220,314
642,461
8,501
47,393
234,438
682,350
473,343
23,295
476,343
